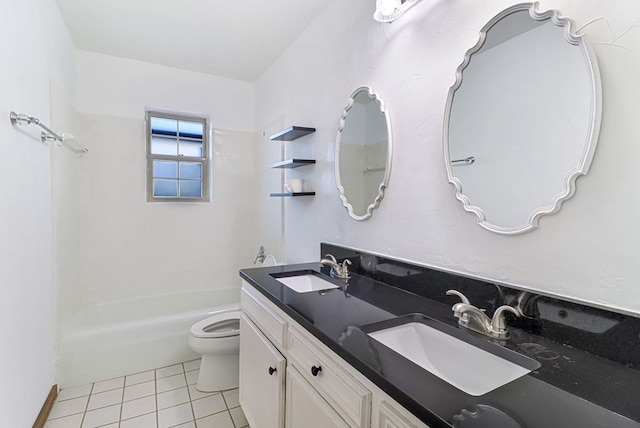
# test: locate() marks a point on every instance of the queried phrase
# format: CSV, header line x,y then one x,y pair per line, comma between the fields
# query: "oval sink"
x,y
463,365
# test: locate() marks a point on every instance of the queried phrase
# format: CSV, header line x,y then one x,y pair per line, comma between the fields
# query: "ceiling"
x,y
237,39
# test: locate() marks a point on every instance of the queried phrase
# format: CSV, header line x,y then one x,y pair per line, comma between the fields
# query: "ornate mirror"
x,y
522,119
363,153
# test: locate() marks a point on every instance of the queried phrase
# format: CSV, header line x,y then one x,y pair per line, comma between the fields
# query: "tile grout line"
x,y
226,404
155,388
124,381
186,381
86,406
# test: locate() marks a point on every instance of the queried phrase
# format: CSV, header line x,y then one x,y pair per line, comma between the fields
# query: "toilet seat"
x,y
222,324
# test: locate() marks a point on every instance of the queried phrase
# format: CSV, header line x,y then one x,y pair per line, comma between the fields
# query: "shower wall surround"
x,y
135,248
586,252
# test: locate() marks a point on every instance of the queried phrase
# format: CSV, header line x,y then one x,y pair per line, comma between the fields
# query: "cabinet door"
x,y
306,408
262,375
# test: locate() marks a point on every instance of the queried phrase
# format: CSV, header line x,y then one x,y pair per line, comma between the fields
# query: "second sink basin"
x,y
304,281
475,368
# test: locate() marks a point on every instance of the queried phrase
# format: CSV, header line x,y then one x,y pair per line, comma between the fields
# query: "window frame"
x,y
151,157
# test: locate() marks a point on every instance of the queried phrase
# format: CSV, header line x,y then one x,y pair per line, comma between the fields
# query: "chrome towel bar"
x,y
47,135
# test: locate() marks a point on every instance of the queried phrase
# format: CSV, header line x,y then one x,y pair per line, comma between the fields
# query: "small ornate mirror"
x,y
363,153
522,119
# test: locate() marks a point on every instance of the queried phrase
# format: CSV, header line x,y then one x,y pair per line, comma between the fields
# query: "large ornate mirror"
x,y
363,153
522,119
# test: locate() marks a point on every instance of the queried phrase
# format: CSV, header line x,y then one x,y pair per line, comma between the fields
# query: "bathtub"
x,y
117,338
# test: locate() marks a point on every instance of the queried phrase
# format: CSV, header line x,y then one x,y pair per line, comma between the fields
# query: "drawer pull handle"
x,y
272,371
315,370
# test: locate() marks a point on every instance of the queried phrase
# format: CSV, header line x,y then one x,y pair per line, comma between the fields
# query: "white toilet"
x,y
217,339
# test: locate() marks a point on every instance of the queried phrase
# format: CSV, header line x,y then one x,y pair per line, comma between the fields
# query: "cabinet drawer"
x,y
271,324
335,384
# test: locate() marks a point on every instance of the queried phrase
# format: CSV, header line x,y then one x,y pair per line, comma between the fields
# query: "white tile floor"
x,y
160,398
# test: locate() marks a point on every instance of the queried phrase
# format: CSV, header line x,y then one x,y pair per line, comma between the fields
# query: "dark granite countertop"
x,y
572,388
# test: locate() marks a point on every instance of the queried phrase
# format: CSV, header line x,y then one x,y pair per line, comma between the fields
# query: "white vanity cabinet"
x,y
317,388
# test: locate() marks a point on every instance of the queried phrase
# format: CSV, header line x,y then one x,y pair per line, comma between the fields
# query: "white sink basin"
x,y
306,283
462,365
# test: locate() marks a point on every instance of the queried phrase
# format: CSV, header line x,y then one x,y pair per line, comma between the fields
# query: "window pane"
x,y
165,169
165,188
164,126
190,189
191,148
191,129
164,146
190,170
176,157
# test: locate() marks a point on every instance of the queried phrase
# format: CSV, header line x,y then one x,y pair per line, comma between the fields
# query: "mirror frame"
x,y
594,123
387,173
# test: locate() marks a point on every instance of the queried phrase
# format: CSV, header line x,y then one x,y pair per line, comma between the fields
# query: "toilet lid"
x,y
222,325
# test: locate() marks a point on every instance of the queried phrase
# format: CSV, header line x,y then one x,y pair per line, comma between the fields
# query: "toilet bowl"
x,y
217,339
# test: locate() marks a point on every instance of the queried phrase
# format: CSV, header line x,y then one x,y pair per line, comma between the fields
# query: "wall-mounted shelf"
x,y
291,194
292,133
293,163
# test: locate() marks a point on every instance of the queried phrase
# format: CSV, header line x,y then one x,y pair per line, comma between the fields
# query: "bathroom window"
x,y
177,158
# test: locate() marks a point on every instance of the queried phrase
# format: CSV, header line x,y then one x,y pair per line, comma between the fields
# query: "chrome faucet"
x,y
338,270
476,320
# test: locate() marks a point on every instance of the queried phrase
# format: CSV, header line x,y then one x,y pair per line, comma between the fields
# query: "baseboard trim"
x,y
46,408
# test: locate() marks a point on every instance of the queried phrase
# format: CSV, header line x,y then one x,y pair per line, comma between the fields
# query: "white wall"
x,y
36,49
113,86
589,251
130,247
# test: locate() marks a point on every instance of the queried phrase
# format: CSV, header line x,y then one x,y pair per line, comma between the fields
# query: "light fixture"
x,y
390,10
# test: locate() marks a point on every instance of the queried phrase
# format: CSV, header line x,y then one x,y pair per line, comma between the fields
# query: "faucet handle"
x,y
498,324
462,297
260,256
345,268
